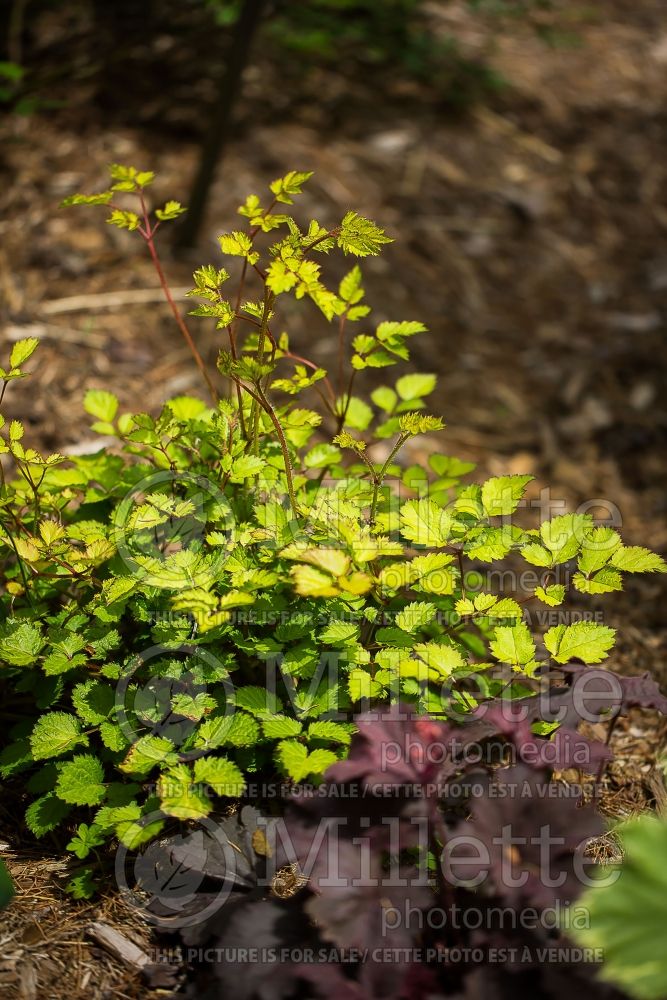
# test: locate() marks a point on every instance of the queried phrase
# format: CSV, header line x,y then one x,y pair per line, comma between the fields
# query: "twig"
x,y
148,233
118,945
108,300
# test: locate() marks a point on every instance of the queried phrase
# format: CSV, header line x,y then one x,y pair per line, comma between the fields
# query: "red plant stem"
x,y
148,234
259,397
321,239
199,361
239,296
341,352
348,396
231,330
314,367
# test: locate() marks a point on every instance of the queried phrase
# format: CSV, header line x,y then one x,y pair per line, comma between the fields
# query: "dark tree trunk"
x,y
221,120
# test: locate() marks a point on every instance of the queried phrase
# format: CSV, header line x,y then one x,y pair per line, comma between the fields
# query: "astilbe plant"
x,y
221,592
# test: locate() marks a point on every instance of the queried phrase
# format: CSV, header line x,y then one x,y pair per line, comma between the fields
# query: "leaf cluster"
x,y
215,593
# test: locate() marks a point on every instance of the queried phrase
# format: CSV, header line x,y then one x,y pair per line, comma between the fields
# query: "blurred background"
x,y
515,149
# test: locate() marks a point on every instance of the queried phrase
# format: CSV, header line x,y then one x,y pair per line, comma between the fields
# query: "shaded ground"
x,y
531,237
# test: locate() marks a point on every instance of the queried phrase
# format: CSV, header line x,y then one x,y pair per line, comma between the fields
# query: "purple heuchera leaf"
x,y
266,926
566,748
524,839
354,916
396,746
631,692
642,691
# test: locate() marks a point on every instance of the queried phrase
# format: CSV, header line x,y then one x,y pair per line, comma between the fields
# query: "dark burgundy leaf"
x,y
257,950
565,749
394,746
524,839
371,915
642,691
330,983
617,692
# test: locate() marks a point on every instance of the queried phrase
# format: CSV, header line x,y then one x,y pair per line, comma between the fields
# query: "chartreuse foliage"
x,y
628,913
215,594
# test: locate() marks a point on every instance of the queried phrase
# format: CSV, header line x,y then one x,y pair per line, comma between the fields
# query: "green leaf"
x,y
440,658
597,548
66,655
45,814
129,178
93,701
291,184
635,559
506,607
432,573
85,840
15,757
322,456
449,467
171,210
258,701
186,407
222,774
311,582
298,763
339,633
44,779
334,732
124,220
181,798
6,886
501,495
513,644
101,404
113,737
115,588
553,595
238,244
245,467
360,236
415,386
536,554
350,289
626,917
81,781
564,535
414,616
424,522
385,398
281,278
360,685
20,642
280,726
603,582
147,753
22,350
489,544
239,730
359,414
55,734
102,198
16,430
587,641
82,885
